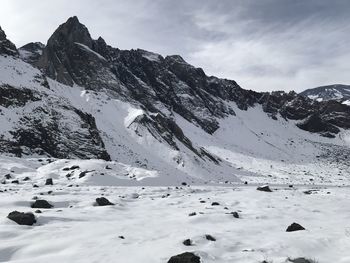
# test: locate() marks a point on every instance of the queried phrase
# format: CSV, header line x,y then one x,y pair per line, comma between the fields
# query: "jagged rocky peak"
x,y
6,46
66,53
69,33
31,52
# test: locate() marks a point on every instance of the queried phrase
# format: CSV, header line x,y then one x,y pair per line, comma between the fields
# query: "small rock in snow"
x,y
49,181
102,201
294,227
22,218
42,204
187,242
235,214
210,238
187,257
264,188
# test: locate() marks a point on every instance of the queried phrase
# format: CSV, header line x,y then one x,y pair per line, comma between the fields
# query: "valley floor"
x,y
149,224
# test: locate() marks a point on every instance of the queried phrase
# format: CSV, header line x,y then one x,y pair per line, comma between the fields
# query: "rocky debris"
x,y
294,227
38,211
264,188
22,218
192,214
215,203
26,178
187,257
210,238
15,182
121,237
8,176
41,204
102,201
49,181
187,242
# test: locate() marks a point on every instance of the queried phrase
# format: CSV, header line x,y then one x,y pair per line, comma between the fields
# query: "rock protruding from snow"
x,y
301,260
22,218
49,181
41,204
294,227
187,257
264,188
102,201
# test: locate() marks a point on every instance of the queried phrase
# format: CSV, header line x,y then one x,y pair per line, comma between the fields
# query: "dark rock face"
x,y
22,218
186,257
66,53
102,201
83,142
294,227
264,188
31,52
6,46
41,204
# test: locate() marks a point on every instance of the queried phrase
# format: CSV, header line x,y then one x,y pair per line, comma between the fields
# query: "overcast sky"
x,y
262,44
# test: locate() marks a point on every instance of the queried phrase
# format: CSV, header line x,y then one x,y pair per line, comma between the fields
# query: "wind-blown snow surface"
x,y
154,222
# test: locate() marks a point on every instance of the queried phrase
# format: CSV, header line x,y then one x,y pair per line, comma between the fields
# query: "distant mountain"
x,y
336,92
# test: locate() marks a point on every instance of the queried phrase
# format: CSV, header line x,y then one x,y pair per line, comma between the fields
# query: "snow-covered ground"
x,y
156,221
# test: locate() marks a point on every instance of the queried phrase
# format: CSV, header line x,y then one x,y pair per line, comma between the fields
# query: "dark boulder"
x,y
186,257
294,227
102,201
49,181
264,188
22,218
41,204
187,242
235,214
210,238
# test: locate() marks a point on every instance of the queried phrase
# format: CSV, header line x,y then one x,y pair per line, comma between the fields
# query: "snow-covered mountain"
x,y
77,97
336,92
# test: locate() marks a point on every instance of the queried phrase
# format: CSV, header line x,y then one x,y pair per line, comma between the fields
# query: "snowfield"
x,y
149,223
155,224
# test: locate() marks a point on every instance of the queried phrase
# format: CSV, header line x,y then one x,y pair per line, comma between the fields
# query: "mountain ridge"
x,y
81,98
